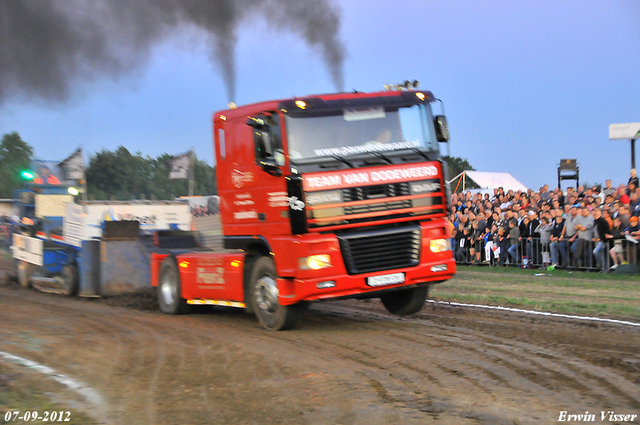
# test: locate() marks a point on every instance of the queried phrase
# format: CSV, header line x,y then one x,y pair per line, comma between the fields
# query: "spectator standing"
x,y
633,178
514,237
623,213
502,240
545,228
45,176
608,189
462,239
633,234
602,233
491,249
477,241
571,225
533,237
617,252
556,242
622,195
585,237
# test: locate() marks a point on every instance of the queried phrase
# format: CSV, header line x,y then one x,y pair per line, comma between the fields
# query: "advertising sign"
x,y
630,130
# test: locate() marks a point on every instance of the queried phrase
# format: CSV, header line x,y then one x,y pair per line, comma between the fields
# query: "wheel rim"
x,y
267,294
168,289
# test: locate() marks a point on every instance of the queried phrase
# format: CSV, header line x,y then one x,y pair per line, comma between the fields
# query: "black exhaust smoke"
x,y
46,47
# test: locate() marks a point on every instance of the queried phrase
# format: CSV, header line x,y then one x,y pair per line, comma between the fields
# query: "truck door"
x,y
270,194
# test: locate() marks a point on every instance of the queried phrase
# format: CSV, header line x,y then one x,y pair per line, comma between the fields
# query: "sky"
x,y
524,83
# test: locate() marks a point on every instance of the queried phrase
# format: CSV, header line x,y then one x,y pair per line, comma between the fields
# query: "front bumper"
x,y
354,286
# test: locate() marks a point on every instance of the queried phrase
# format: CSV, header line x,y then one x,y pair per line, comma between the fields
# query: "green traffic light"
x,y
28,175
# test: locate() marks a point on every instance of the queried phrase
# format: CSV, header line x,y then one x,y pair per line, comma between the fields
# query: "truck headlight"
x,y
314,262
439,245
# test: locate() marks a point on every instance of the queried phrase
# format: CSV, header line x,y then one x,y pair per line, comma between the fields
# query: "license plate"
x,y
386,279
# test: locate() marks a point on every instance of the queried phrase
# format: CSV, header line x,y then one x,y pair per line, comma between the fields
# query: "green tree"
x,y
123,176
15,156
457,165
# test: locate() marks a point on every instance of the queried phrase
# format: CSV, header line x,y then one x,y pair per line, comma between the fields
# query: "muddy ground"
x,y
347,362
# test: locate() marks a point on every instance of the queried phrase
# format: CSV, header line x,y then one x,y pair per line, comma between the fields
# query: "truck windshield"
x,y
360,131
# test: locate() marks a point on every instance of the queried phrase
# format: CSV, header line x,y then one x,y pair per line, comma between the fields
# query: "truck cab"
x,y
335,196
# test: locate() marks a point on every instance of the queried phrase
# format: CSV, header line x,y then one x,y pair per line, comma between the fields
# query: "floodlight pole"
x,y
633,153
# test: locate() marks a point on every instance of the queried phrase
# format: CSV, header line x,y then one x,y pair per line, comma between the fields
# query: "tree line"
x,y
117,175
121,175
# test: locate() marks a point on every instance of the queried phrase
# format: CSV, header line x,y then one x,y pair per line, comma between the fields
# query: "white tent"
x,y
491,180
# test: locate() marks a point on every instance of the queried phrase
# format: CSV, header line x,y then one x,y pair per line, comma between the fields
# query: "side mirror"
x,y
442,128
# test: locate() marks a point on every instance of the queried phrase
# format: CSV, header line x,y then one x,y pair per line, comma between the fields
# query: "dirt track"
x,y
347,362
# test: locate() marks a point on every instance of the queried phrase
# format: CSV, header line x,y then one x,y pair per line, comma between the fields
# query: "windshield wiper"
x,y
422,154
343,160
381,156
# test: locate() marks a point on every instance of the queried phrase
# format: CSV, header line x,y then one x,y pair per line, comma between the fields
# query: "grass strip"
x,y
24,391
558,291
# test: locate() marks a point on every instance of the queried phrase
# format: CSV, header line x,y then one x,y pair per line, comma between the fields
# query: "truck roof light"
x,y
420,95
301,104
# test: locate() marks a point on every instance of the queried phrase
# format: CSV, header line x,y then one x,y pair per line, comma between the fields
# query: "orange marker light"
x,y
184,264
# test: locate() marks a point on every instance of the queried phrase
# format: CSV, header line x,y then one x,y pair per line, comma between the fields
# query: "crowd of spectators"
x,y
593,228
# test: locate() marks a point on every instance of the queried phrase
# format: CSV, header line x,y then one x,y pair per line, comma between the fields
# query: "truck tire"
x,y
23,272
405,301
264,298
169,288
70,280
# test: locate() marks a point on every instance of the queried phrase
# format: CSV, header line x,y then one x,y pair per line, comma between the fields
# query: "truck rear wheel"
x,y
23,272
405,301
169,290
264,298
70,280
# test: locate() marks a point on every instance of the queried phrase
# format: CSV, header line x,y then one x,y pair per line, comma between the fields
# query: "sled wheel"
x,y
405,301
24,271
70,280
264,298
168,290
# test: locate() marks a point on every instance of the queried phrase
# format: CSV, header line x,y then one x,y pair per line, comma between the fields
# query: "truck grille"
x,y
375,192
384,206
381,250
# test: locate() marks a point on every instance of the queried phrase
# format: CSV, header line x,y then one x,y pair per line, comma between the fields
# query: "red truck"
x,y
321,197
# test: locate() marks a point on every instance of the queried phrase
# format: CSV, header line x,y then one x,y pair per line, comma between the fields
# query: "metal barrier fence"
x,y
581,254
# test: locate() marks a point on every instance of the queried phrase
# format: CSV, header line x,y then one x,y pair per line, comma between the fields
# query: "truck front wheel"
x,y
169,291
405,301
264,297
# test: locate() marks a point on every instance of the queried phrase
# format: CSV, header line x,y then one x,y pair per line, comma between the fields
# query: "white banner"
x,y
73,166
180,166
28,249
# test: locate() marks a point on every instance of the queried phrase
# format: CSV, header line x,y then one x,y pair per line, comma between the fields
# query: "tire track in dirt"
x,y
520,359
348,362
570,372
